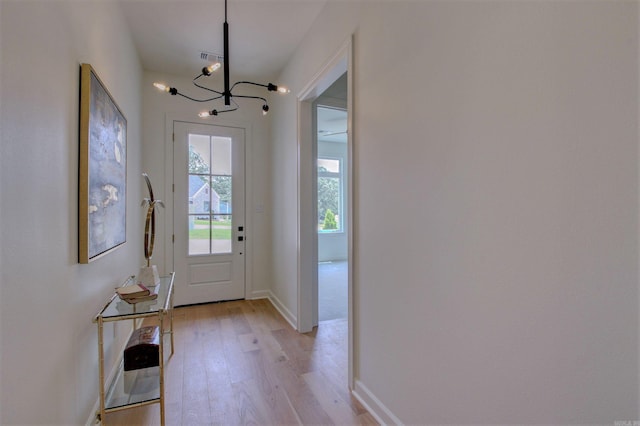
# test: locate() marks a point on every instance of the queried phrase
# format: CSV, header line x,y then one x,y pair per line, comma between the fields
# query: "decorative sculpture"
x,y
149,274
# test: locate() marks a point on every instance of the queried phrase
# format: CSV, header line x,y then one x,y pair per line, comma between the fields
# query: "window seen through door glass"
x,y
210,189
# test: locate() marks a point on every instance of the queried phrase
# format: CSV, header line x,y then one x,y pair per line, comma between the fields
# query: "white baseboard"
x,y
286,313
259,294
374,406
93,418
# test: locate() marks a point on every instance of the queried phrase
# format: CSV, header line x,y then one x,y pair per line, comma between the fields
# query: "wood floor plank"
x,y
173,414
248,342
195,387
265,341
270,387
302,398
260,407
332,403
239,321
297,348
232,351
270,315
196,412
241,363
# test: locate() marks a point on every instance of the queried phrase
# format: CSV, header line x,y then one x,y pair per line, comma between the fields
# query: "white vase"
x,y
148,276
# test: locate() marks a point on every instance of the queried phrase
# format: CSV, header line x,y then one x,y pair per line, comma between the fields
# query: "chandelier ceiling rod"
x,y
225,27
227,93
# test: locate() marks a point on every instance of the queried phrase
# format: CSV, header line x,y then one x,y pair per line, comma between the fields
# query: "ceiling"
x,y
170,34
332,125
332,112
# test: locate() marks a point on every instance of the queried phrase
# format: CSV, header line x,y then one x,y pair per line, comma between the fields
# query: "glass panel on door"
x,y
210,189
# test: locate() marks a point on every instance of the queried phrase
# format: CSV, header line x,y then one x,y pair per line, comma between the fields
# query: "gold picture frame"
x,y
102,180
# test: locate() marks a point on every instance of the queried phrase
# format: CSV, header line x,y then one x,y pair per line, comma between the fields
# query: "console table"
x,y
135,388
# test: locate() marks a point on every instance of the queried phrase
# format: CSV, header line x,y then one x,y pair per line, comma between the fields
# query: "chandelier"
x,y
227,93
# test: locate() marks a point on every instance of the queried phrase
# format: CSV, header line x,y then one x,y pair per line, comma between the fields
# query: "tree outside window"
x,y
329,195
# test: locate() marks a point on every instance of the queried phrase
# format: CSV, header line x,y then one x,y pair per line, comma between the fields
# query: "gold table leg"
x,y
161,362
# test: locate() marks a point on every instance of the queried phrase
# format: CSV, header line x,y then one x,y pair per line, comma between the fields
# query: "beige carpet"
x,y
332,290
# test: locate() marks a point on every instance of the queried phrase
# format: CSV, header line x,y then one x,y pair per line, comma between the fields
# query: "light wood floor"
x,y
240,363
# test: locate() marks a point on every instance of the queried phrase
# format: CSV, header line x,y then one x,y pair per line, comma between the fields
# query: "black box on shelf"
x,y
143,349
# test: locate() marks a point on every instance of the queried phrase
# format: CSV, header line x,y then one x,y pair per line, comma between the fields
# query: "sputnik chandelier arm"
x,y
220,94
227,93
270,87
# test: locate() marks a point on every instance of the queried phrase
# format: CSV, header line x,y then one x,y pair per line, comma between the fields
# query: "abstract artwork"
x,y
103,170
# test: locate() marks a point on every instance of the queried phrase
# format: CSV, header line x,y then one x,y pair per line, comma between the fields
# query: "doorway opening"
x,y
316,101
332,201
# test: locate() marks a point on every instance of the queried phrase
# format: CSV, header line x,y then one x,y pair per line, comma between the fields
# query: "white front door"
x,y
208,218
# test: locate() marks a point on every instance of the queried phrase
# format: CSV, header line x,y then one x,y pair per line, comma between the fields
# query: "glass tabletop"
x,y
118,308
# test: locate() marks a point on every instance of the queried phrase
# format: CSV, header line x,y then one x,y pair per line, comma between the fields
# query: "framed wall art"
x,y
102,179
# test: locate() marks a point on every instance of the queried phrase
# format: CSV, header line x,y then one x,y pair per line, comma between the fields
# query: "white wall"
x,y
49,364
506,134
284,154
158,107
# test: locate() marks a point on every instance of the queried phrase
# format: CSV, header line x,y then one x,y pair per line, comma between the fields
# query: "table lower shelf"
x,y
133,387
144,386
136,387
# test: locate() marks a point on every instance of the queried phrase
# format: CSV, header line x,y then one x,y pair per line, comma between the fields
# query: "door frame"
x,y
170,118
307,261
